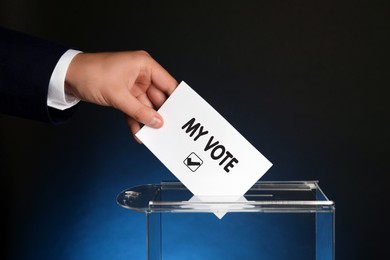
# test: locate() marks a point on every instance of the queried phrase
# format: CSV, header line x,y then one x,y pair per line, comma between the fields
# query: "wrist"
x,y
72,75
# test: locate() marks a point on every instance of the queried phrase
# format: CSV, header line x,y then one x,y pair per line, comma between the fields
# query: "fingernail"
x,y
155,122
138,141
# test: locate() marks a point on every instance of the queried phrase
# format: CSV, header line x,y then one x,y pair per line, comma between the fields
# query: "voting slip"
x,y
208,155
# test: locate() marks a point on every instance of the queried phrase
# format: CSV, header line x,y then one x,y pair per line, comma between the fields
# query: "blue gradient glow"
x,y
76,215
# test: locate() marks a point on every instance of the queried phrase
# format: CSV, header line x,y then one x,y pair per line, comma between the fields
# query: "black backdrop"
x,y
304,81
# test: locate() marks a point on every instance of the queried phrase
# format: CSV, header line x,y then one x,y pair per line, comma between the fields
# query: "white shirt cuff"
x,y
56,96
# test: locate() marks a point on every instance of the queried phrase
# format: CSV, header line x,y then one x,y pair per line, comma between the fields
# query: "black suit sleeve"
x,y
26,65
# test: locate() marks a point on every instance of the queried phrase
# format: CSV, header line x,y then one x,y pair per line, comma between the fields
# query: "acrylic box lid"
x,y
264,196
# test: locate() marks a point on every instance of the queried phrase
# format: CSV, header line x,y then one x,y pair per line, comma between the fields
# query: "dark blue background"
x,y
305,82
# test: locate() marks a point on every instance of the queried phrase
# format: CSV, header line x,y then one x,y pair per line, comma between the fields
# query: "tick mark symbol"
x,y
191,163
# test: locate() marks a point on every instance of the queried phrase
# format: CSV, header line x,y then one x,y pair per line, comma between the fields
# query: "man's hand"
x,y
132,82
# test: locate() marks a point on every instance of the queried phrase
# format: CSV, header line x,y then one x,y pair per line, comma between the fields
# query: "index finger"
x,y
161,79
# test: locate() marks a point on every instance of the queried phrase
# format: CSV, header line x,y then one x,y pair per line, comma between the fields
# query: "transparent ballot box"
x,y
273,220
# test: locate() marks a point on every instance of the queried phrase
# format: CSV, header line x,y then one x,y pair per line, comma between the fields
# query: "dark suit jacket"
x,y
26,65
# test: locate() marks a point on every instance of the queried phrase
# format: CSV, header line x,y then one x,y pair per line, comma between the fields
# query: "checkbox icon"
x,y
193,162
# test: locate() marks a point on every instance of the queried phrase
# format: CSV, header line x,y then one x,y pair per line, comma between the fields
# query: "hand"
x,y
132,82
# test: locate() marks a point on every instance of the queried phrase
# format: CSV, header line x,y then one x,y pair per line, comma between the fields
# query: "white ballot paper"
x,y
201,148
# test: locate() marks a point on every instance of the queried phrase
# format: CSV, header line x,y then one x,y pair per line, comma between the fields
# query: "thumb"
x,y
142,113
